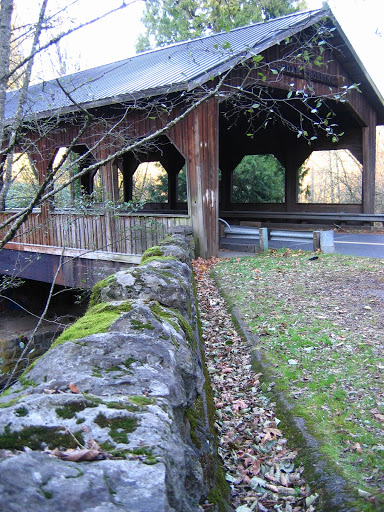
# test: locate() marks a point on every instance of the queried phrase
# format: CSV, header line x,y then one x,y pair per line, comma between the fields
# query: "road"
x,y
353,244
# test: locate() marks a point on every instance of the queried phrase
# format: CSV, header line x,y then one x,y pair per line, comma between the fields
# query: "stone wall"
x,y
117,414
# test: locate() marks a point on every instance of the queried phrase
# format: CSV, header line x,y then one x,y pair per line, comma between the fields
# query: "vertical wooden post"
x,y
173,175
291,185
369,163
130,164
110,181
203,178
42,159
197,137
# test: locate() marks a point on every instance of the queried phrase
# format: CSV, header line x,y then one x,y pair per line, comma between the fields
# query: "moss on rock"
x,y
37,438
97,319
96,291
152,252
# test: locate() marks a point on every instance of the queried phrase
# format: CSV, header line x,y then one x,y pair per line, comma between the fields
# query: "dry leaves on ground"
x,y
258,462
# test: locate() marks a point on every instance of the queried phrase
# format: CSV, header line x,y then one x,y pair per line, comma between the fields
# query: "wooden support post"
x,y
110,182
369,164
172,188
197,137
291,185
129,166
203,167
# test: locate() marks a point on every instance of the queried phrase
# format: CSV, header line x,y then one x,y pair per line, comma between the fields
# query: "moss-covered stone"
x,y
97,319
152,252
21,411
158,258
9,403
96,291
70,409
118,427
141,400
37,438
136,324
176,319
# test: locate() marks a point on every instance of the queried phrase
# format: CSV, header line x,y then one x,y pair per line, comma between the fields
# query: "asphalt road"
x,y
366,244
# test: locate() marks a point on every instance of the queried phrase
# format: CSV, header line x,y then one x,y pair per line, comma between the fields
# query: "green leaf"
x,y
289,94
257,58
274,71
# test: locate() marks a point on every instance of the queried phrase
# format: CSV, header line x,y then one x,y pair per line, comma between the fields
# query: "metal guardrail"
x,y
322,240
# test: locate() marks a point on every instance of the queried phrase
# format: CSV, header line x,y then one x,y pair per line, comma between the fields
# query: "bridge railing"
x,y
115,233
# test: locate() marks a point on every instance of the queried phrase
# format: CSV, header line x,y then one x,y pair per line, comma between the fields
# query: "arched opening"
x,y
69,192
258,179
150,183
20,187
331,177
155,177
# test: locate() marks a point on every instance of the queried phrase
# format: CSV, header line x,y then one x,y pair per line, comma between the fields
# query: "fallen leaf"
x,y
73,388
358,448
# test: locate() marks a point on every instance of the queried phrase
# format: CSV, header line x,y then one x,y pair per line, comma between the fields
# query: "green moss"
x,y
97,319
142,400
96,372
121,405
176,319
152,252
136,324
25,382
194,415
69,410
4,405
96,291
36,438
47,494
129,361
30,367
118,427
94,401
111,491
158,258
21,411
219,491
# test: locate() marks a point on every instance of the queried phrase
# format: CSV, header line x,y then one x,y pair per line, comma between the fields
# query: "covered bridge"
x,y
285,87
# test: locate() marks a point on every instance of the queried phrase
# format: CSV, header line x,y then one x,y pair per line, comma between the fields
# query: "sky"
x,y
114,38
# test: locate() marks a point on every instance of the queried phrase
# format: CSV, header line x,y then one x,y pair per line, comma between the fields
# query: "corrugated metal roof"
x,y
175,67
180,66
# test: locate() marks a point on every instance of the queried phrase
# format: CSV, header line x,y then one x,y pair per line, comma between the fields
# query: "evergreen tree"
x,y
259,179
168,21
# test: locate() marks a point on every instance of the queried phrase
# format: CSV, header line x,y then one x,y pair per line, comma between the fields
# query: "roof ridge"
x,y
121,62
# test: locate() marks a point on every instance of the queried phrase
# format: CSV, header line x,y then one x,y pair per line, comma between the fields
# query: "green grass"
x,y
323,348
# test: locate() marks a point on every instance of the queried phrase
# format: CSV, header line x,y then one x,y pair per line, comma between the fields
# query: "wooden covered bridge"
x,y
286,87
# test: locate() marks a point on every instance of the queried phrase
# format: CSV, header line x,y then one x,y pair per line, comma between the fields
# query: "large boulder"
x,y
115,415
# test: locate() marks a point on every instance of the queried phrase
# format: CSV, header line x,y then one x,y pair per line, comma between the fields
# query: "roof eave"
x,y
369,81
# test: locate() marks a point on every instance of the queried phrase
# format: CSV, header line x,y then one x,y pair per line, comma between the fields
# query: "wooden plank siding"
x,y
198,139
132,234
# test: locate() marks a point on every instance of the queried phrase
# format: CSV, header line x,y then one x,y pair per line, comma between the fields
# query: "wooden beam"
x,y
198,139
369,163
